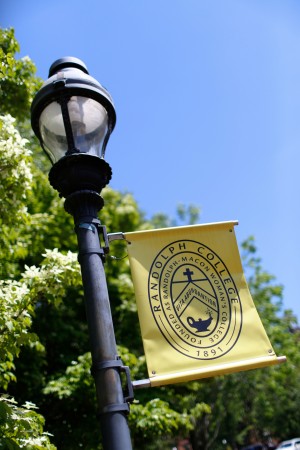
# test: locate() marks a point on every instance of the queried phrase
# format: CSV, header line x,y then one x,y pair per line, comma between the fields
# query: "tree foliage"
x,y
44,349
18,83
21,426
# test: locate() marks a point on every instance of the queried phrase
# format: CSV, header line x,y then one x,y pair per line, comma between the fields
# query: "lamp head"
x,y
72,113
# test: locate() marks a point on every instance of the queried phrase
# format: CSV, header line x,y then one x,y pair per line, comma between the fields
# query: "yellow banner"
x,y
196,313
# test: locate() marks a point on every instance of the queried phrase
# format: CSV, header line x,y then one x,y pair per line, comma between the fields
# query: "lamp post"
x,y
73,117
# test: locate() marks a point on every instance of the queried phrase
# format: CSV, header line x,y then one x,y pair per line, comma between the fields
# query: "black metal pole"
x,y
106,366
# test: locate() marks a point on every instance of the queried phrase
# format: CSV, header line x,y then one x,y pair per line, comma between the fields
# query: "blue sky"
x,y
207,95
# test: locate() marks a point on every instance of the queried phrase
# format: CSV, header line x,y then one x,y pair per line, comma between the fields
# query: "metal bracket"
x,y
130,395
102,232
94,226
92,250
116,364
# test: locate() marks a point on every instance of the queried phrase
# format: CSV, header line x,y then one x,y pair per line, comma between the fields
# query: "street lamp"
x,y
73,117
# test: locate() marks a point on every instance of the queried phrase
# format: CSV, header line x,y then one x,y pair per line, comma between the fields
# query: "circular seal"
x,y
194,300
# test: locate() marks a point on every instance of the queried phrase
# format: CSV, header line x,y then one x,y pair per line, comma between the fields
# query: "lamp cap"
x,y
67,61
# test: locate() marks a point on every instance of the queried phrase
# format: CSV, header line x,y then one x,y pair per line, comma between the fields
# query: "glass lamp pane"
x,y
89,123
53,132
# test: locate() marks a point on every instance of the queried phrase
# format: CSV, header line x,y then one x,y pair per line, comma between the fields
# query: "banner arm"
x,y
140,384
281,359
115,236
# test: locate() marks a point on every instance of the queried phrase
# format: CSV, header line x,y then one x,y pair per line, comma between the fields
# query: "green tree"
x,y
17,81
20,426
